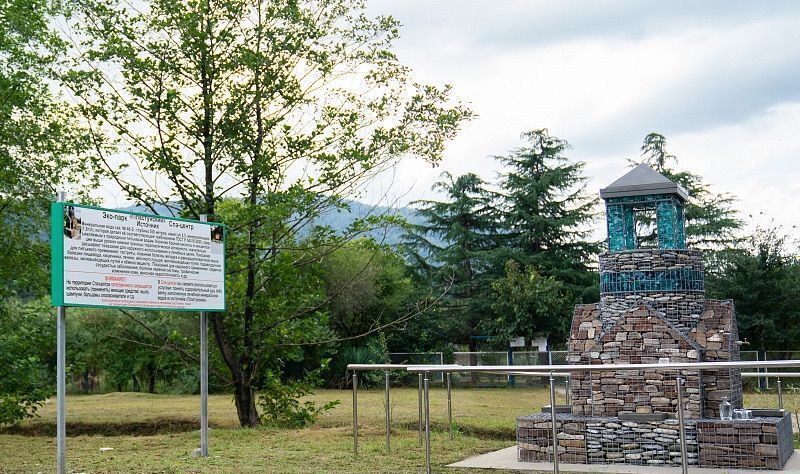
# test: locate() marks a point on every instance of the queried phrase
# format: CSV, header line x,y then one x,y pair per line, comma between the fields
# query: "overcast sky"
x,y
721,80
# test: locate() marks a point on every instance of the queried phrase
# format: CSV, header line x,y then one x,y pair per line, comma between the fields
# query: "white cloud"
x,y
718,79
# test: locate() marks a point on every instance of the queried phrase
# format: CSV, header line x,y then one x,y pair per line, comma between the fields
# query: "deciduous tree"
x,y
286,107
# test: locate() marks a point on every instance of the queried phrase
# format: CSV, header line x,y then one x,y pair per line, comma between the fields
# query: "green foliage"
x,y
27,333
762,277
454,252
373,352
280,400
711,221
39,142
134,350
367,286
285,108
547,215
530,305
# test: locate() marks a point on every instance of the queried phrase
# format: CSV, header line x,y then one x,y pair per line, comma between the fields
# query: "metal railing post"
x,y
566,391
553,421
388,414
419,403
780,394
355,413
427,427
449,408
682,427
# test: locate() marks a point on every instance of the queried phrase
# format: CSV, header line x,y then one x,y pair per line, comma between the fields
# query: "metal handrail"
x,y
552,371
365,367
506,369
788,375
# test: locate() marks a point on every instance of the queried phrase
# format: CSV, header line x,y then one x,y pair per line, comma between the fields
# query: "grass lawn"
x,y
156,433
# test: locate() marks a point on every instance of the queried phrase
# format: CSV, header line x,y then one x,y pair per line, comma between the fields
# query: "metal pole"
x,y
203,384
553,422
61,375
388,415
780,395
419,402
61,391
682,427
449,407
566,391
427,428
203,376
355,413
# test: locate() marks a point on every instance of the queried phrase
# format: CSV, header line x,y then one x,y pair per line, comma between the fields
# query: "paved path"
x,y
507,459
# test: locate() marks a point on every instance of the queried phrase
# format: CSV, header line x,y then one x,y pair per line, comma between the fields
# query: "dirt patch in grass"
x,y
143,428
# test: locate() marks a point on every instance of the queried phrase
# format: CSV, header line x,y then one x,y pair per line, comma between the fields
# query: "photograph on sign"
x,y
108,258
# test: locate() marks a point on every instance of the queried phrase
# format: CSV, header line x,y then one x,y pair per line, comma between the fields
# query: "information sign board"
x,y
517,342
117,259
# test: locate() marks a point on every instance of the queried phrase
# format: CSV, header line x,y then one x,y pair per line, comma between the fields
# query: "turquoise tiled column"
x,y
665,219
629,229
616,227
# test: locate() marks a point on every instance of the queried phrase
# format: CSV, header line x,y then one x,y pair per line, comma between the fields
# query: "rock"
x,y
105,450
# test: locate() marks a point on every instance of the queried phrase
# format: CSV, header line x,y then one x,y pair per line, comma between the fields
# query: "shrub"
x,y
280,401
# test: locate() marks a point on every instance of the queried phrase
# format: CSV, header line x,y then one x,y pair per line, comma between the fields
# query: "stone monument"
x,y
653,310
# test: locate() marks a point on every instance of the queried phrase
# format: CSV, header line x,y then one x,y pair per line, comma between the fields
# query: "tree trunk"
x,y
151,382
245,399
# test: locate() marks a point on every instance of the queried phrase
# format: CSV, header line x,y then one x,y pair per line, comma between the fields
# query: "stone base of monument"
x,y
764,442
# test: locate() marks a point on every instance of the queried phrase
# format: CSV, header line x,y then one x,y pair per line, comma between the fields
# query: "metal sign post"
x,y
61,375
203,376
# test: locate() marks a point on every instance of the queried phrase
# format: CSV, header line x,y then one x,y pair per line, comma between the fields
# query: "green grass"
x,y
484,419
157,433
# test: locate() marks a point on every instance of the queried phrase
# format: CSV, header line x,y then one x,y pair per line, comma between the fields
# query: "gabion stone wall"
x,y
760,443
641,335
670,281
717,334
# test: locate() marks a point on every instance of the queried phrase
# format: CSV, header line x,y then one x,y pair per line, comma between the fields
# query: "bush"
x,y
280,401
26,341
375,352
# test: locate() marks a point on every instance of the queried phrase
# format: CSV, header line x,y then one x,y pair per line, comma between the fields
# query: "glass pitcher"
x,y
725,412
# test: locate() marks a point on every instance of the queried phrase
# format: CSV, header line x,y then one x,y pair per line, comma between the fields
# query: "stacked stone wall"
x,y
761,443
636,338
668,280
535,439
639,337
716,332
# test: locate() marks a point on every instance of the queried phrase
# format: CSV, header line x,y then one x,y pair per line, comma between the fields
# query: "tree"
x,y
711,222
530,305
286,108
762,277
38,143
454,250
547,213
26,353
367,285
